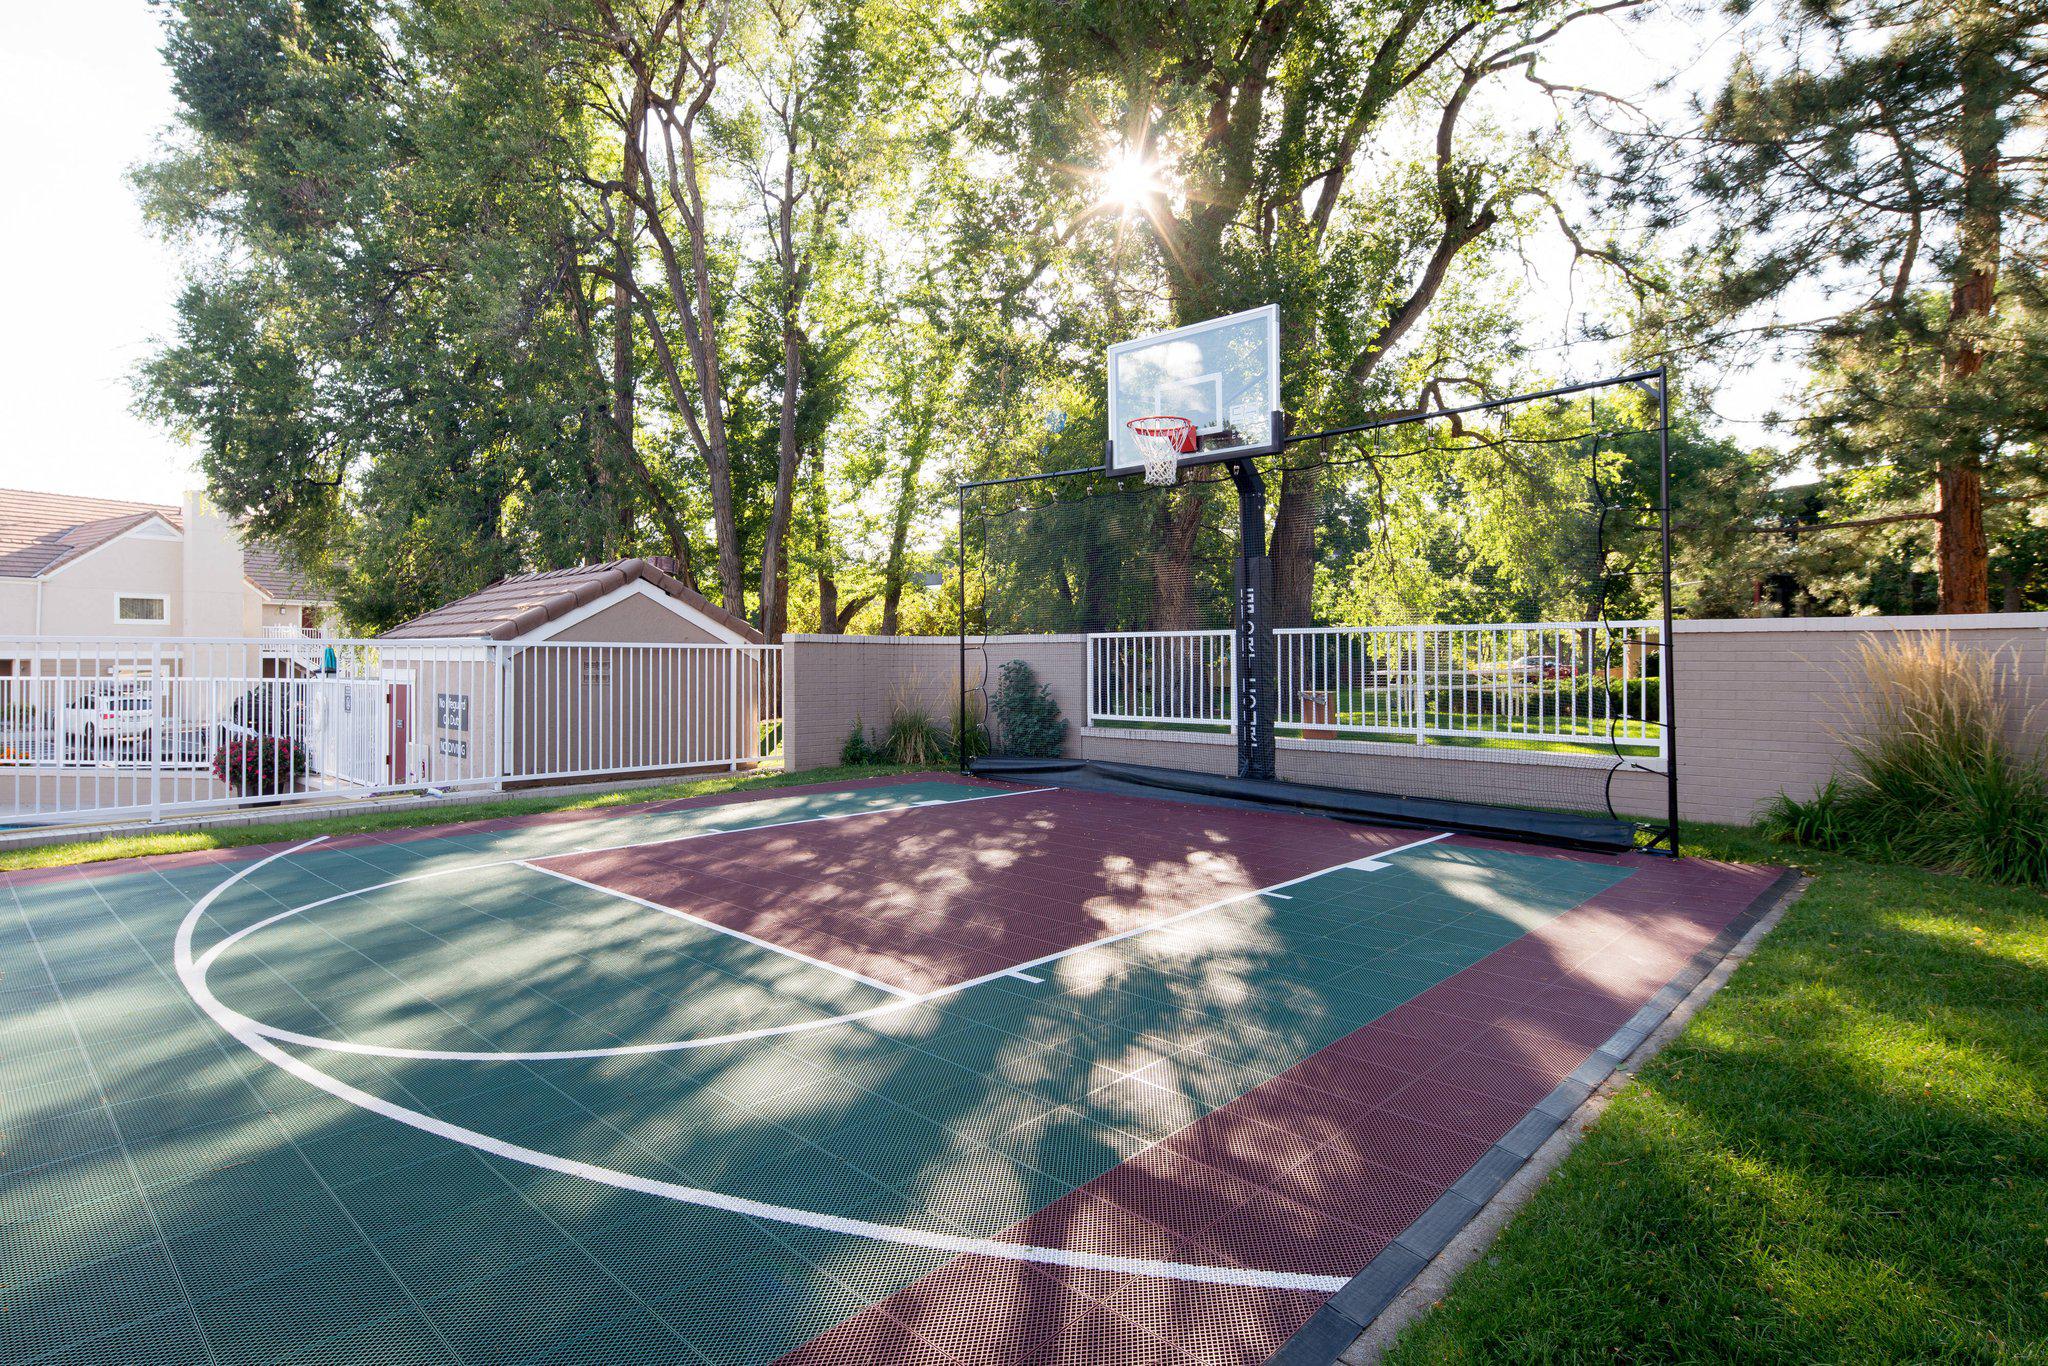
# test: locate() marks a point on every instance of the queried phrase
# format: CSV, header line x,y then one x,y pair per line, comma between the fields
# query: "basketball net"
x,y
1161,442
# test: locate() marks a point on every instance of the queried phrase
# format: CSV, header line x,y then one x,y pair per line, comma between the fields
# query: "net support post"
x,y
1667,665
1254,643
960,610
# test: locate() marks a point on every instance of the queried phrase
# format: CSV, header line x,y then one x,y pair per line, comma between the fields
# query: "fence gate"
x,y
110,728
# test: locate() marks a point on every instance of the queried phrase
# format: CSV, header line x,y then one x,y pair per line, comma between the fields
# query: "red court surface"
x,y
951,893
1363,1159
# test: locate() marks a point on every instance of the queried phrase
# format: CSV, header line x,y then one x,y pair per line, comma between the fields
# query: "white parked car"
x,y
116,714
1534,667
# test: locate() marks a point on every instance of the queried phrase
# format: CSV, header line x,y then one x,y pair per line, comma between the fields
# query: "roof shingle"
x,y
512,607
41,532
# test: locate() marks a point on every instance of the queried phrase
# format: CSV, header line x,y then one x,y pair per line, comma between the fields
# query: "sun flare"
x,y
1129,181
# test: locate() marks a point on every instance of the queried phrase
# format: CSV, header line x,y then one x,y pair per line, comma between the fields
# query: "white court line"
x,y
193,975
1371,863
1026,977
759,943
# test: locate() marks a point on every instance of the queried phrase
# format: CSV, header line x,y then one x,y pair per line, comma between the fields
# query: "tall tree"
x,y
1328,156
670,60
1874,168
833,108
391,345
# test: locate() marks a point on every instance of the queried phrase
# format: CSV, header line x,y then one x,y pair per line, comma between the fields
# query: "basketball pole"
x,y
1255,648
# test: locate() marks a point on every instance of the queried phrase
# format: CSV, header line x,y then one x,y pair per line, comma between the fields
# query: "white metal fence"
x,y
104,729
1178,677
1560,686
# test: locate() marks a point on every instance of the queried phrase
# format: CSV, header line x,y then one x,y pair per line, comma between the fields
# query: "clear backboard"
x,y
1223,375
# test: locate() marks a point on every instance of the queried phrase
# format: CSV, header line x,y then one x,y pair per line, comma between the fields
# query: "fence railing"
x,y
576,710
1162,677
1561,686
110,729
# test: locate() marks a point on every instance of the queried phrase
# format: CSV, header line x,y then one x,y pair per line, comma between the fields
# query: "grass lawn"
x,y
129,846
1843,1158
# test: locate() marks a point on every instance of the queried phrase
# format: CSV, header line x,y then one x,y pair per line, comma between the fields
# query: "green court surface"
x,y
410,1099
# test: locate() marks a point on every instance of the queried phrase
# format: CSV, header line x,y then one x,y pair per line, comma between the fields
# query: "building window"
x,y
140,608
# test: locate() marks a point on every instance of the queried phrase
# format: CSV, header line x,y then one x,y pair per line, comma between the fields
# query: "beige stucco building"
x,y
73,566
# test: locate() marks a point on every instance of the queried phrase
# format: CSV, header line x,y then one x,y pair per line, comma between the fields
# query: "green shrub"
x,y
857,751
1026,716
1932,777
913,735
1815,823
1596,698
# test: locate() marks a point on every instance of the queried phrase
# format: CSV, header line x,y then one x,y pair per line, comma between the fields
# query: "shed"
x,y
602,670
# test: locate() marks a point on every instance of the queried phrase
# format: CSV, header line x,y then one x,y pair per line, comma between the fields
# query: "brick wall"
x,y
1758,704
829,681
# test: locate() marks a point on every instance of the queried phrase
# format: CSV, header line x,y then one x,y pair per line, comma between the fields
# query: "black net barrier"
x,y
1464,606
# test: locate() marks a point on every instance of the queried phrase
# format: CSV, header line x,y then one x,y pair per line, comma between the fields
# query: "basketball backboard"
x,y
1223,375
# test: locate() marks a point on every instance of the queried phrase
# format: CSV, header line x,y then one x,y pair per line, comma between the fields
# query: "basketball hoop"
x,y
1161,442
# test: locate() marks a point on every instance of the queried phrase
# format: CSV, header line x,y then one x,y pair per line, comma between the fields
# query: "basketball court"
x,y
909,1070
1067,1062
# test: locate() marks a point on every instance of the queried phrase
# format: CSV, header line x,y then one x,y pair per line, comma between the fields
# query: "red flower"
x,y
265,763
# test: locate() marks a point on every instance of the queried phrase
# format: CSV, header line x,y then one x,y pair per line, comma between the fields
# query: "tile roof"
x,y
275,576
41,532
512,607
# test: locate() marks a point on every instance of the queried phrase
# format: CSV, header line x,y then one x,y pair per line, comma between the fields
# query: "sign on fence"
x,y
451,711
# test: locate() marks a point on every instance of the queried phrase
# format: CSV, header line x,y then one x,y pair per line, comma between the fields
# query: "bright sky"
x,y
92,288
82,97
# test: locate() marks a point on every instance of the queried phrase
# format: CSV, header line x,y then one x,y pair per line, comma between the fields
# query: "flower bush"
x,y
261,764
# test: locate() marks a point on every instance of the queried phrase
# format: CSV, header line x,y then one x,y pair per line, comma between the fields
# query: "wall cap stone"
x,y
1975,621
1971,621
1470,753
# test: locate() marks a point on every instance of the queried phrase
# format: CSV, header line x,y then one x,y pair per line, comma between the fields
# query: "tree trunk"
x,y
1173,561
1294,549
828,603
1961,552
775,624
914,453
774,574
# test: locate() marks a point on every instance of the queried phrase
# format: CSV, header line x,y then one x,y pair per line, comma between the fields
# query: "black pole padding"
x,y
1257,695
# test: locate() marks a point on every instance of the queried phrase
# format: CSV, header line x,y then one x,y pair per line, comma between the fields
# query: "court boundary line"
x,y
192,975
